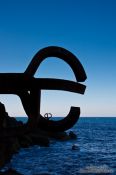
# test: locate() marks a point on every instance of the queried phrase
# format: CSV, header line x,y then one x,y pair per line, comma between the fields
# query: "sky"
x,y
87,28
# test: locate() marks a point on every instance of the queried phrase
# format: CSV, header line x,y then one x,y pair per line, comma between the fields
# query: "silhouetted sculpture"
x,y
28,88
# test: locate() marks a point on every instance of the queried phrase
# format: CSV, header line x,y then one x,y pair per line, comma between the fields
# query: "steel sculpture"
x,y
28,88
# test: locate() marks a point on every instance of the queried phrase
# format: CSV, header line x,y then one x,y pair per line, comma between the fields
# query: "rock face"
x,y
11,141
15,135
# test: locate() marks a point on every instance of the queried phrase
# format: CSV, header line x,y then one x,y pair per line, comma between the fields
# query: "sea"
x,y
94,153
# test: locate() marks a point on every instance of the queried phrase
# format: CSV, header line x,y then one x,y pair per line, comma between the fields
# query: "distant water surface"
x,y
95,153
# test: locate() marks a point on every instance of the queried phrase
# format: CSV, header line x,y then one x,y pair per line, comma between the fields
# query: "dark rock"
x,y
15,144
12,122
3,154
75,147
11,140
62,136
38,139
72,135
6,151
25,141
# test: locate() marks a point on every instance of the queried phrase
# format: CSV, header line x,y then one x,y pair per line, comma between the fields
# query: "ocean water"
x,y
95,152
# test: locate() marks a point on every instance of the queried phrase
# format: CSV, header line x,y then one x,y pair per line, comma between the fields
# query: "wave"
x,y
102,169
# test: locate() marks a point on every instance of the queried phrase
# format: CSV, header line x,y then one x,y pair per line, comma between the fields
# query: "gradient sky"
x,y
87,28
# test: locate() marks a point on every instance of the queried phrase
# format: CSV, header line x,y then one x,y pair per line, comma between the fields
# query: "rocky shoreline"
x,y
15,135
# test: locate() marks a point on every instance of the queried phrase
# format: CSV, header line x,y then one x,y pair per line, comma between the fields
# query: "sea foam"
x,y
102,169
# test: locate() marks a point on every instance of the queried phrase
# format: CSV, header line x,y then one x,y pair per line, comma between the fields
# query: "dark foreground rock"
x,y
15,135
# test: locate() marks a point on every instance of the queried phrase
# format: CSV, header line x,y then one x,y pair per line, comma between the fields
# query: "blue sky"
x,y
87,28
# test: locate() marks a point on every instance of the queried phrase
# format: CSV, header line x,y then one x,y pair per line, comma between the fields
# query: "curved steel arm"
x,y
57,84
54,51
61,125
